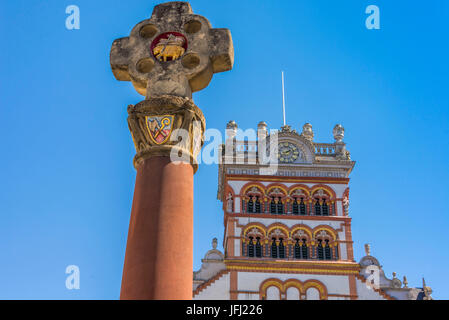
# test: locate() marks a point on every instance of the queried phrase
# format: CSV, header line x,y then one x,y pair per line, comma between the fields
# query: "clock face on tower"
x,y
288,152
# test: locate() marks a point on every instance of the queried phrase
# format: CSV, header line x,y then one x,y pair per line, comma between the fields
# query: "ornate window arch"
x,y
293,285
265,286
318,285
277,196
252,199
273,293
301,240
329,230
300,201
278,238
280,289
322,202
326,244
252,246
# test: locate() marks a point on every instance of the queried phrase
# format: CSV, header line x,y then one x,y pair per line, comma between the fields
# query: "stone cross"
x,y
166,57
175,52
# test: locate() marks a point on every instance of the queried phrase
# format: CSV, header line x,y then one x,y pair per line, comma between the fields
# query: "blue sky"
x,y
66,160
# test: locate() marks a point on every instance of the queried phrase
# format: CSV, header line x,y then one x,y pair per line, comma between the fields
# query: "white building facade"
x,y
287,225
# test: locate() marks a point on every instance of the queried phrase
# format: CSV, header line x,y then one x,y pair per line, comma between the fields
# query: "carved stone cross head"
x,y
175,52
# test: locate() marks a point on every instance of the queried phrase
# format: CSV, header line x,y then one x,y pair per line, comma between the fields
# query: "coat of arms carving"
x,y
159,128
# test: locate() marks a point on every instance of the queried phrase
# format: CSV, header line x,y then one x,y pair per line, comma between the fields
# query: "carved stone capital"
x,y
167,126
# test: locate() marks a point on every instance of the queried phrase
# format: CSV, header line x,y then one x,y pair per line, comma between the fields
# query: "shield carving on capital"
x,y
159,127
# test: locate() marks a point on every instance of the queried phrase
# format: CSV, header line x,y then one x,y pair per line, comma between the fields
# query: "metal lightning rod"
x,y
283,97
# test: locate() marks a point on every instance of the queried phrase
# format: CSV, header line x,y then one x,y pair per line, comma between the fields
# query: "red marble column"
x,y
159,252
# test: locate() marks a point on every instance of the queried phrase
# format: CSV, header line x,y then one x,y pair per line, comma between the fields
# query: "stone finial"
x,y
340,147
339,133
405,282
427,290
231,129
286,128
262,125
261,130
307,132
175,52
231,125
367,249
395,282
214,243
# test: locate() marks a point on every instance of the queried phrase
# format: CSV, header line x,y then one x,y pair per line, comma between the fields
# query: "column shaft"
x,y
159,252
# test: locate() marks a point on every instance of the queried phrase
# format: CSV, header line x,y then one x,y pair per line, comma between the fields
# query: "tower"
x,y
288,233
287,229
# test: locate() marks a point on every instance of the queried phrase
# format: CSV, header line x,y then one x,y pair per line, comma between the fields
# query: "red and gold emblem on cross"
x,y
169,46
159,128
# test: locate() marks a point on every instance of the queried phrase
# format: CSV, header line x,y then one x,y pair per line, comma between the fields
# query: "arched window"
x,y
312,294
292,293
280,207
325,208
278,249
324,247
276,206
254,205
258,248
276,194
251,247
252,200
273,206
304,250
320,250
295,207
273,293
302,207
300,249
253,238
297,250
322,203
278,236
257,205
274,249
300,198
327,251
281,249
317,208
250,208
